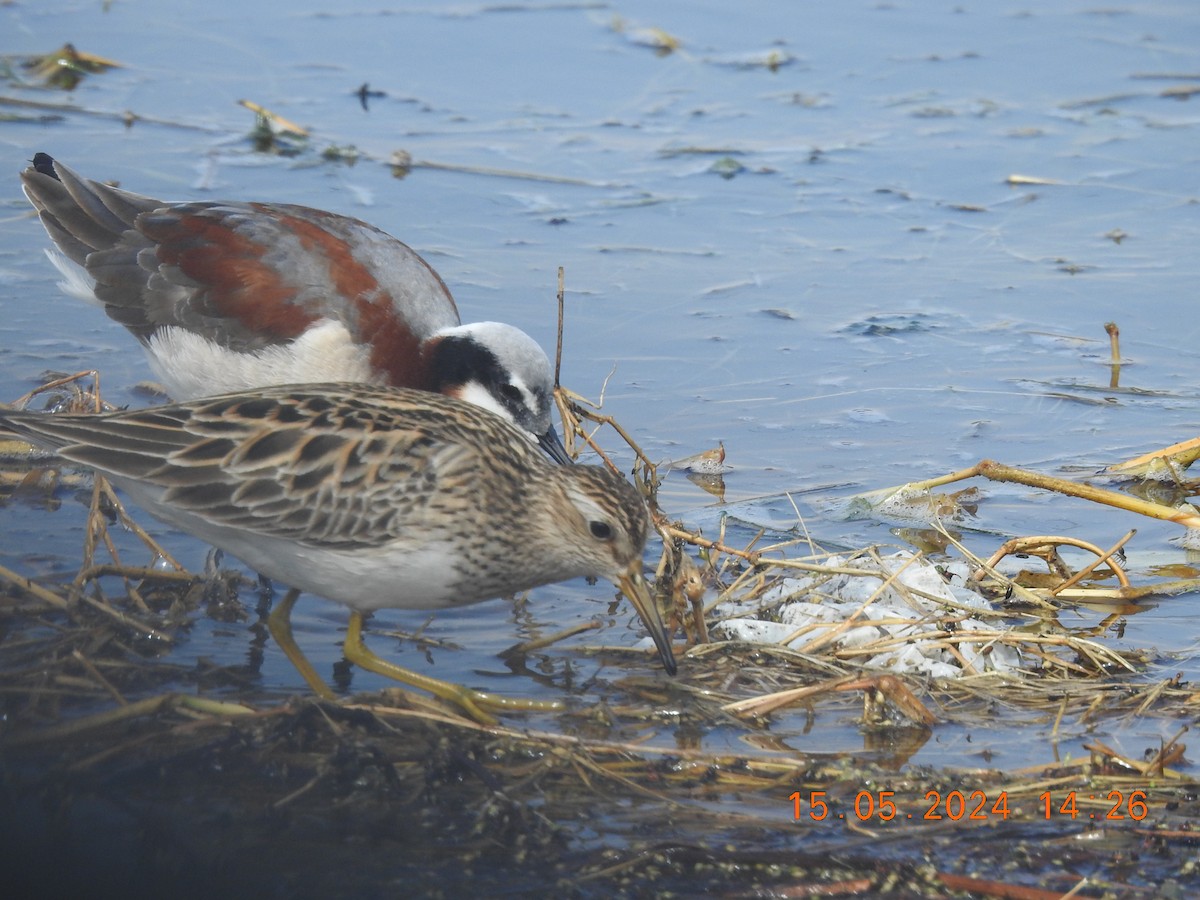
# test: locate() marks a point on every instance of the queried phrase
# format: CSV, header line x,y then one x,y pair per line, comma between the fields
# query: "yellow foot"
x,y
475,703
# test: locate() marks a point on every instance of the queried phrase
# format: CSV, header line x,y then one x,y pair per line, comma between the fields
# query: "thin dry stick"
x,y
567,399
1129,594
1021,591
95,530
124,117
25,584
155,547
1062,711
1045,547
509,173
768,703
321,774
1157,764
995,471
1182,454
968,668
1110,754
1101,558
126,620
137,709
1151,696
73,380
143,573
1114,341
561,314
672,532
95,673
548,640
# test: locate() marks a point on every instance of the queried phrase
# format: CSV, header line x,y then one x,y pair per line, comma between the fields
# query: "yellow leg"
x,y
466,698
279,623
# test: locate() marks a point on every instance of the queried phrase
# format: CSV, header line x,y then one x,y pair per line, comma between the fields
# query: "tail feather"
x,y
75,280
113,448
80,215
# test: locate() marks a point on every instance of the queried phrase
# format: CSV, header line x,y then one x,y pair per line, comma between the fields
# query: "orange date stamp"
x,y
971,806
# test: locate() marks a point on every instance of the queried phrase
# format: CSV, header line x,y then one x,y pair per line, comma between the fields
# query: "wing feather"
x,y
358,472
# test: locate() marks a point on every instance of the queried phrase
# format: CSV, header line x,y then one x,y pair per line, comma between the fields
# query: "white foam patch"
x,y
815,607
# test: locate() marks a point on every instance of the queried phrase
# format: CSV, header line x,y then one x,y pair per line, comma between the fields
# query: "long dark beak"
x,y
633,586
553,447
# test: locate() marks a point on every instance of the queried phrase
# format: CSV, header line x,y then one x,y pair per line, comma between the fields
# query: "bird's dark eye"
x,y
601,531
511,392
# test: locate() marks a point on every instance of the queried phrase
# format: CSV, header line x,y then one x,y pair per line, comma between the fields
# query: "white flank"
x,y
189,365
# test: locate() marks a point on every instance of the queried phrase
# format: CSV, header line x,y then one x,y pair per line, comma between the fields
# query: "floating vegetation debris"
x,y
707,462
726,167
658,40
348,154
1167,464
772,59
273,133
65,67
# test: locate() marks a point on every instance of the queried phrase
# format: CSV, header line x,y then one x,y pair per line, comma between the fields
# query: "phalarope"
x,y
228,296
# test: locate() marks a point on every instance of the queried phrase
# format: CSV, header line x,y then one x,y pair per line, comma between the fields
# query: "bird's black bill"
x,y
633,586
553,447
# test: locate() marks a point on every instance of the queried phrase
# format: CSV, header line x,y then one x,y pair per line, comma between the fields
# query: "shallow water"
x,y
865,300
